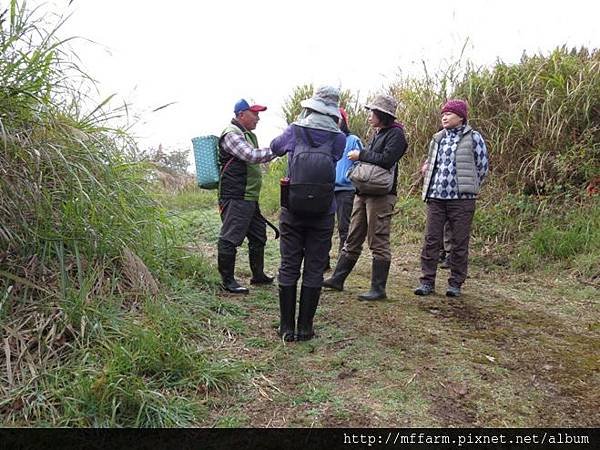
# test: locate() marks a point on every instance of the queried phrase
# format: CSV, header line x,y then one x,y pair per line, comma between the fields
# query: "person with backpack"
x,y
372,214
457,164
239,189
344,189
313,144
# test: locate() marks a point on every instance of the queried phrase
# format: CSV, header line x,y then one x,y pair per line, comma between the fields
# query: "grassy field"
x,y
517,350
110,311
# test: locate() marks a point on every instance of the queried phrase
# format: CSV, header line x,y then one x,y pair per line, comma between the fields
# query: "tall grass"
x,y
541,122
540,117
92,276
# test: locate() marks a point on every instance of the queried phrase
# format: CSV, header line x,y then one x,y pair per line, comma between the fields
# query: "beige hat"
x,y
325,100
384,103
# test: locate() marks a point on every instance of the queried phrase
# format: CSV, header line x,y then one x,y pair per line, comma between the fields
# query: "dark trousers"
x,y
241,219
305,239
447,238
344,201
459,215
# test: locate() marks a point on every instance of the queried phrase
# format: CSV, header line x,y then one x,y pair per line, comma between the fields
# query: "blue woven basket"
x,y
206,149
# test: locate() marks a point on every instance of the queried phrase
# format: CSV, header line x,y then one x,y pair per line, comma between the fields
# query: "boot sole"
x,y
304,337
363,299
287,337
237,292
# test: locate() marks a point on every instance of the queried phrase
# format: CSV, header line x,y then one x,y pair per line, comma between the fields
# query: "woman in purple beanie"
x,y
457,164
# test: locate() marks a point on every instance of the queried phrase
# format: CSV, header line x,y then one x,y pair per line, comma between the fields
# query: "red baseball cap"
x,y
243,105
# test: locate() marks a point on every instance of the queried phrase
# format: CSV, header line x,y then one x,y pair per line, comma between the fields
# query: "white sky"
x,y
205,55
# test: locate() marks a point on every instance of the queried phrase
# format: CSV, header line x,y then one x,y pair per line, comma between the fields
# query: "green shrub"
x,y
100,315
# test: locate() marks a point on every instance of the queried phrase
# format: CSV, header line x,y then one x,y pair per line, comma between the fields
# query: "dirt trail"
x,y
514,350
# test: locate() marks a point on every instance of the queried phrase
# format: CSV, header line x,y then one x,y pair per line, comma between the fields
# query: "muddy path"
x,y
513,351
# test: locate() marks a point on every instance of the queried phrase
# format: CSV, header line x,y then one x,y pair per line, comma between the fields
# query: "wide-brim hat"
x,y
326,100
384,103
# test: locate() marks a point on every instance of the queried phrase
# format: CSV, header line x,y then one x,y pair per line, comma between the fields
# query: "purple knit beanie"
x,y
458,107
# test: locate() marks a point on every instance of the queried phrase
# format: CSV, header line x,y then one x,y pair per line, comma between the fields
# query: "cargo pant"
x,y
304,239
371,220
459,215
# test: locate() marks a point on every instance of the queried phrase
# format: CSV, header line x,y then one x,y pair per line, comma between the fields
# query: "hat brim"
x,y
321,107
393,114
257,108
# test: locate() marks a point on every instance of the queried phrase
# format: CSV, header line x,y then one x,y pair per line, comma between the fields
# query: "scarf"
x,y
309,118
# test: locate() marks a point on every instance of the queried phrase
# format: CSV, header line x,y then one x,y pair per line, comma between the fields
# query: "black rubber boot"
x,y
226,262
379,276
342,269
256,257
287,312
309,300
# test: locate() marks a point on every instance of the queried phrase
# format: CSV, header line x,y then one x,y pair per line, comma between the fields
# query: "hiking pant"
x,y
305,239
445,251
459,214
241,219
371,219
344,201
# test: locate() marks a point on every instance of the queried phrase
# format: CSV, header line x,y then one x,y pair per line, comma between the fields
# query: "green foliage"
x,y
175,161
546,107
539,232
540,118
100,316
357,115
269,194
69,188
292,108
576,233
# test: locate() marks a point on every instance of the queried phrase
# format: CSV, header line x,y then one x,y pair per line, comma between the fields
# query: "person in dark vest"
x,y
344,189
372,214
239,190
313,143
457,164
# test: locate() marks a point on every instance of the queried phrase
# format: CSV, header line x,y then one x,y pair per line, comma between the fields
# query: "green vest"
x,y
239,179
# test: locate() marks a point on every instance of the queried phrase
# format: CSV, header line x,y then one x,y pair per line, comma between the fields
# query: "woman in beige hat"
x,y
372,214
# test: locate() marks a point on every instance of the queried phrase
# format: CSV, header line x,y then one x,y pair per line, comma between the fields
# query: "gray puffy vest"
x,y
466,171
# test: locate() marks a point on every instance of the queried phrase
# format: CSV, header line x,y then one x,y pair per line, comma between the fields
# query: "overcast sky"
x,y
205,55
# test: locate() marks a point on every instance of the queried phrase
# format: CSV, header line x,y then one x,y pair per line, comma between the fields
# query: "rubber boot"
x,y
309,300
342,269
379,276
256,257
287,312
226,262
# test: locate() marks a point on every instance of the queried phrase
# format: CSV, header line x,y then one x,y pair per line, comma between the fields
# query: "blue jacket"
x,y
342,183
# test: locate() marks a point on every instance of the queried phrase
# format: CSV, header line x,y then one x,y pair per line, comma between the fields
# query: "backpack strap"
x,y
226,166
230,160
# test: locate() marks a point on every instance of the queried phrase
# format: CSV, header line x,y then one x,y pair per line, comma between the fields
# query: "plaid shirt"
x,y
444,183
240,148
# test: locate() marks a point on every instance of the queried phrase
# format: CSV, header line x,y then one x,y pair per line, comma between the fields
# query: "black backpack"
x,y
312,176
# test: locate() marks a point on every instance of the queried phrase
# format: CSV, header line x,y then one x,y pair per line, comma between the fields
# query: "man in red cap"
x,y
457,164
239,190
